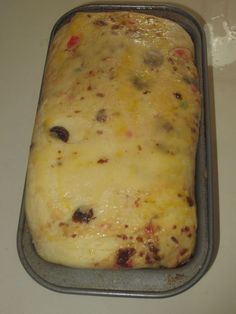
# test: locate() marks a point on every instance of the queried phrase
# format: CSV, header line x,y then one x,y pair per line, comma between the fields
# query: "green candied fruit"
x,y
184,104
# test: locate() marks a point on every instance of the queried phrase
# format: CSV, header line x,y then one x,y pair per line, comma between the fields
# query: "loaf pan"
x,y
152,283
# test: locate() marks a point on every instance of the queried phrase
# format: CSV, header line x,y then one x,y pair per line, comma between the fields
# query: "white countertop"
x,y
24,34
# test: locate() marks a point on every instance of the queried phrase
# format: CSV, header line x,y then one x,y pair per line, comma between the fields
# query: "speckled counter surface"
x,y
24,33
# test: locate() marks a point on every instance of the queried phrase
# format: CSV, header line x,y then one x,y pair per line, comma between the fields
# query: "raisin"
x,y
153,59
60,132
137,202
178,96
183,251
100,95
190,201
152,248
115,26
100,23
148,259
185,229
167,126
158,258
139,239
124,255
102,161
101,115
174,239
122,236
83,217
190,81
139,83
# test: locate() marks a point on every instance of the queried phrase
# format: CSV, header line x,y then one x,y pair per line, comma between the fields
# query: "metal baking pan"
x,y
152,283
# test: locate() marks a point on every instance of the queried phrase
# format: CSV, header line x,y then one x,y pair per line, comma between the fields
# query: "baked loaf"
x,y
111,171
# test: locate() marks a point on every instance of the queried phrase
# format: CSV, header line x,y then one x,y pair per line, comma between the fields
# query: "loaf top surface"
x,y
110,178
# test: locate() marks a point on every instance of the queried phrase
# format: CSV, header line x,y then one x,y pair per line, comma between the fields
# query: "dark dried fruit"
x,y
100,95
139,83
137,202
185,229
183,252
190,201
101,115
146,92
149,259
190,81
122,236
178,95
153,58
100,23
124,255
115,26
167,126
102,161
139,239
83,217
174,239
60,132
152,248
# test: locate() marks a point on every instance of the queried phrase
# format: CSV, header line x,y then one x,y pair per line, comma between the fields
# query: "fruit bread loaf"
x,y
110,179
